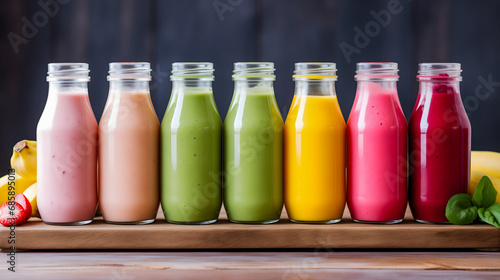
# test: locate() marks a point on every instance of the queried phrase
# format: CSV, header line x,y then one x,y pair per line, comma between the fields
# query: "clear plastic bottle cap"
x,y
315,70
254,70
439,71
192,70
139,71
68,72
387,71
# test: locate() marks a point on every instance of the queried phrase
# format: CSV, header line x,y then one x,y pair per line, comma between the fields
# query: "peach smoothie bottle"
x,y
67,148
377,147
129,133
315,147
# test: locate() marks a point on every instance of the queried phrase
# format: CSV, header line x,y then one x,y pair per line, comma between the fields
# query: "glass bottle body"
x,y
315,147
440,143
191,141
253,150
129,148
377,189
67,149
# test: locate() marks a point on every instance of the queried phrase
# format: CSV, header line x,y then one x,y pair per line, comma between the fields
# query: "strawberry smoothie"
x,y
67,154
377,153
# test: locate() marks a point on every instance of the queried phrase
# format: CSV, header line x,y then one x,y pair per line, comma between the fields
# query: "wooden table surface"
x,y
255,265
35,235
318,262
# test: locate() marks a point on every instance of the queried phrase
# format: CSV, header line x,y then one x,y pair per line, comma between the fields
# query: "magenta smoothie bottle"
x,y
67,148
440,142
377,147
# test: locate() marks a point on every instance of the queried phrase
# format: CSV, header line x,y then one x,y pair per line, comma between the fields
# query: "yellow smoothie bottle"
x,y
315,147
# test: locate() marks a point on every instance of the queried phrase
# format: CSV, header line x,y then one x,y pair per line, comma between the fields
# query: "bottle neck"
x,y
253,86
191,85
129,86
432,87
315,88
56,88
376,86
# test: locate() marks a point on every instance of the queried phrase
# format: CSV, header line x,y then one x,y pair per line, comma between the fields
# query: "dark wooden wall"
x,y
281,31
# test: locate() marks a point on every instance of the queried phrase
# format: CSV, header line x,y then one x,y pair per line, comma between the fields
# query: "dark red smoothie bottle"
x,y
440,142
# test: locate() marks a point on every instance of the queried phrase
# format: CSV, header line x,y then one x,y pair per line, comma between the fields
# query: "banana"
x,y
30,194
486,162
475,176
20,184
23,159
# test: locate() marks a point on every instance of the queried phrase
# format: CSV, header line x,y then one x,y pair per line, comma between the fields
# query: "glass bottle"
x,y
67,148
315,147
129,133
191,144
377,132
440,142
253,147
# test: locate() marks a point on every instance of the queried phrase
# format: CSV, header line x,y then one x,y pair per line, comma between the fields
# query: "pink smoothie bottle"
x,y
67,148
377,147
440,142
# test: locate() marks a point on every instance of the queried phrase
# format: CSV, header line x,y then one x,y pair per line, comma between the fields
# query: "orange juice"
x,y
315,158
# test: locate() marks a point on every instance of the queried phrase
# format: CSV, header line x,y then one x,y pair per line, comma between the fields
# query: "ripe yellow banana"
x,y
30,194
20,184
487,162
475,176
23,159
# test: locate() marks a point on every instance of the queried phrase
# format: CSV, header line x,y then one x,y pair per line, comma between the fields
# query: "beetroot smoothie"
x,y
377,147
440,143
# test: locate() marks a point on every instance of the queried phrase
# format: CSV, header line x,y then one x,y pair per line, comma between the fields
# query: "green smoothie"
x,y
191,157
253,157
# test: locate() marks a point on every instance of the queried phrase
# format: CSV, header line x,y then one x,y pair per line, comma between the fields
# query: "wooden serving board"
x,y
35,235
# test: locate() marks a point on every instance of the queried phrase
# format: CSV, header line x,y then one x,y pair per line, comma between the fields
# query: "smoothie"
x,y
129,134
191,141
253,156
66,159
440,144
377,154
315,159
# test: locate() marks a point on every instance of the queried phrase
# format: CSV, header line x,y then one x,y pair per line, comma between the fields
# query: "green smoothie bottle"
x,y
191,159
253,147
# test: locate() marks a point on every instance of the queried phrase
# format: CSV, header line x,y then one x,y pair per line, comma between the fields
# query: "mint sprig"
x,y
462,209
485,193
490,215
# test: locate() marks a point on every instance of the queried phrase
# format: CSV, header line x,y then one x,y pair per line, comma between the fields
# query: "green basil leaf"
x,y
491,215
485,193
460,210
